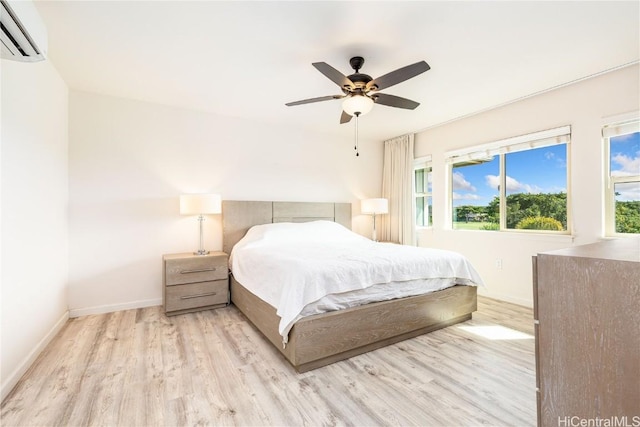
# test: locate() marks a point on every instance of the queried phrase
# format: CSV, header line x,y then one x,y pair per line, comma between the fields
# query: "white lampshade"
x,y
374,206
200,204
357,104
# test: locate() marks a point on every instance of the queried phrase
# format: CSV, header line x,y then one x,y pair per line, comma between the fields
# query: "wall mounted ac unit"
x,y
23,35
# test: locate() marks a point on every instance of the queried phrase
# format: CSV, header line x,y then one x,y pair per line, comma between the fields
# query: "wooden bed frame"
x,y
326,338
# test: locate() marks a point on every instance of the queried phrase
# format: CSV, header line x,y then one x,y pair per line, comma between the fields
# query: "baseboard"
x,y
110,308
507,298
11,380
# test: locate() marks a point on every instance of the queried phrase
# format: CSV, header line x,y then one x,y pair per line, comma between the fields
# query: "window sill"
x,y
621,236
518,235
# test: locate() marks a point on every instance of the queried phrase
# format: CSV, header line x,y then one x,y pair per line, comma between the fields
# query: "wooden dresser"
x,y
195,282
587,312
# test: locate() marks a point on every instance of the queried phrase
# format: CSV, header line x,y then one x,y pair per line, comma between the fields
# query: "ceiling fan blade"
x,y
334,75
310,100
345,118
398,76
394,101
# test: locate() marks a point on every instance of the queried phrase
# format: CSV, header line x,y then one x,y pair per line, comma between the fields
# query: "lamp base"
x,y
375,236
201,252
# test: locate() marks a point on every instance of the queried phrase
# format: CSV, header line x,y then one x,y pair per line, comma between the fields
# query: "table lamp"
x,y
201,205
374,207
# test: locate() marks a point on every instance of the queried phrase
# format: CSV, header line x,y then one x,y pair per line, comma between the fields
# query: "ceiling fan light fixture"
x,y
359,104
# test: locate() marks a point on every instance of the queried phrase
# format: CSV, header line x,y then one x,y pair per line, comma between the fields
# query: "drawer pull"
x,y
208,294
201,270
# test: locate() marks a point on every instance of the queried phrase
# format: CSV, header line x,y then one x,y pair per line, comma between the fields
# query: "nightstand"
x,y
195,282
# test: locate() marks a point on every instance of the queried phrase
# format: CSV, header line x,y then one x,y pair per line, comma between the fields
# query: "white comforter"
x,y
292,265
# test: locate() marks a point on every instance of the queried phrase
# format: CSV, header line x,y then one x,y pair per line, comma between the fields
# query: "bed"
x,y
320,339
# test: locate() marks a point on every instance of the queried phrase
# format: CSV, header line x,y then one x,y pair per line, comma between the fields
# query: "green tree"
x,y
628,217
526,205
493,210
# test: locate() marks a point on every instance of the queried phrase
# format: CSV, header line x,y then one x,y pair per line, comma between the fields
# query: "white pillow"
x,y
289,232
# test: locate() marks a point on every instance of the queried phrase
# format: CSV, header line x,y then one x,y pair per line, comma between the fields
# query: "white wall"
x,y
129,161
34,222
582,105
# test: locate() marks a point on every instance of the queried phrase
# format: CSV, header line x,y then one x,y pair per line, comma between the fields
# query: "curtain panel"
x,y
397,186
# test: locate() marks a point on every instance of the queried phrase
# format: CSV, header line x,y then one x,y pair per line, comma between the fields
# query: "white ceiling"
x,y
247,59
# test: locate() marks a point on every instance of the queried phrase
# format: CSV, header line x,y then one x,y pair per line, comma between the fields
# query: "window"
x,y
622,189
423,192
515,184
473,194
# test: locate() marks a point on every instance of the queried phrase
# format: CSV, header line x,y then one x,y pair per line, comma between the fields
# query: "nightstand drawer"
x,y
181,297
196,269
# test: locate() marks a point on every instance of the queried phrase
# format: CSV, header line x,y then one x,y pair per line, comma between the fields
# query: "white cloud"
x,y
513,185
459,183
627,165
559,161
493,181
465,196
627,192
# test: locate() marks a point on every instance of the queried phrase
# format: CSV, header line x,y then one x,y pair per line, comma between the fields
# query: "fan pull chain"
x,y
356,146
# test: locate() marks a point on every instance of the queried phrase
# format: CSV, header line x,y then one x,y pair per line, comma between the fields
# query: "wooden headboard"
x,y
239,216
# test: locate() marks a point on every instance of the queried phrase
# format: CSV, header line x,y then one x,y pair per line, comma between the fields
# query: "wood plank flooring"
x,y
141,368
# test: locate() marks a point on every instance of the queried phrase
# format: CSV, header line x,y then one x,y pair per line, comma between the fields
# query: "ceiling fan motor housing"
x,y
359,80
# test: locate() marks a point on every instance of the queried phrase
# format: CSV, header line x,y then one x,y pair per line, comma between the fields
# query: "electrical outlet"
x,y
499,264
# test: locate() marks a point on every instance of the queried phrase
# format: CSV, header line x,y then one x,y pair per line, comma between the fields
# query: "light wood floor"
x,y
140,368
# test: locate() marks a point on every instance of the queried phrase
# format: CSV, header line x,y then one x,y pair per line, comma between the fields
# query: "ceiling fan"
x,y
361,91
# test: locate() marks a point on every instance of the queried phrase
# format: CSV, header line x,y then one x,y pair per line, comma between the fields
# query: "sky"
x,y
625,161
541,170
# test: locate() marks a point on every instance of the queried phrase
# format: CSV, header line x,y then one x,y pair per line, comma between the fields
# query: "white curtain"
x,y
397,186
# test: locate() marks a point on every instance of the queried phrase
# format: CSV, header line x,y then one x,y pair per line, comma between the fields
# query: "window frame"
x,y
628,124
500,148
423,162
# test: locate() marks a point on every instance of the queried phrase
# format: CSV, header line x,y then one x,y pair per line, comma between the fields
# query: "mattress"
x,y
308,268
